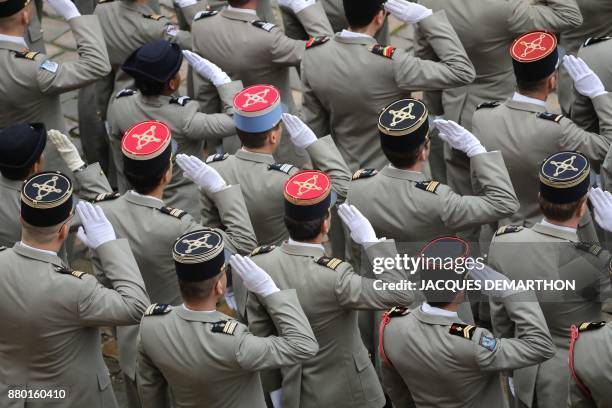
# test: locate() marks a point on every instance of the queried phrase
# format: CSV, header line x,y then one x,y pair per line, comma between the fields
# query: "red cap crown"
x,y
257,100
307,187
146,140
533,46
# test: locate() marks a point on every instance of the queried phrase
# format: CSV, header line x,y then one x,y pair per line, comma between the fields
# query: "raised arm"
x,y
551,15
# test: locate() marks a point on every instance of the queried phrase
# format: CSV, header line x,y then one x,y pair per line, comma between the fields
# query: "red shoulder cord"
x,y
381,348
574,336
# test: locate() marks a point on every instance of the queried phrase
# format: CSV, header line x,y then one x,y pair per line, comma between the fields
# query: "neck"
x,y
317,240
251,5
451,308
52,246
369,30
202,305
418,167
158,192
267,149
571,223
17,31
140,1
541,95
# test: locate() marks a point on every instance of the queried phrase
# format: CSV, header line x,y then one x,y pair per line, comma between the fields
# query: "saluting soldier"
x,y
151,227
337,92
551,250
256,52
51,314
330,293
526,134
435,359
31,83
259,121
155,67
215,360
21,155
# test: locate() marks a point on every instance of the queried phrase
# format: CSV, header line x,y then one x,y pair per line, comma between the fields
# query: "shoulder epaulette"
x,y
217,157
263,25
180,100
364,173
588,326
157,309
264,249
550,116
155,17
105,1
125,92
506,229
462,330
175,212
486,105
331,263
224,326
314,41
397,311
204,13
68,271
383,51
595,40
594,249
430,186
106,197
2,248
29,55
285,168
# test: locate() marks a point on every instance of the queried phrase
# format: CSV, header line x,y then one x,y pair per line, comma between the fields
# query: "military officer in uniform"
x,y
258,116
31,83
526,134
51,313
550,250
335,93
341,374
21,155
435,359
155,68
215,360
256,52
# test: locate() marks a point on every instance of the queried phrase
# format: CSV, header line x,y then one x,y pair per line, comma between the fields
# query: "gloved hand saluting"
x,y
296,5
96,229
406,11
255,279
206,177
66,149
361,229
65,8
586,82
300,133
206,69
602,204
459,138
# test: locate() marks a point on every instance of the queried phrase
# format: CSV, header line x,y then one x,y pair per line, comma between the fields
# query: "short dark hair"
x,y
150,88
559,212
402,159
145,183
237,3
305,230
531,86
15,174
444,297
195,291
255,140
360,13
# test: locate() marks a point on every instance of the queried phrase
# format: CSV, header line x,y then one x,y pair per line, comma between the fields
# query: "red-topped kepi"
x,y
534,55
308,195
257,108
147,147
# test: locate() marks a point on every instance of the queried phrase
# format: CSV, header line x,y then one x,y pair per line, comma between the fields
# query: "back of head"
x,y
21,145
360,13
153,65
11,15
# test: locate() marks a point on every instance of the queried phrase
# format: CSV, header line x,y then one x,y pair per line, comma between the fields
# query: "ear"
x,y
26,17
326,224
424,153
64,231
552,82
220,285
380,18
582,209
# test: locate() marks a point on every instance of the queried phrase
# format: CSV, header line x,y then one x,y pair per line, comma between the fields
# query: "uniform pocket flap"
x,y
362,361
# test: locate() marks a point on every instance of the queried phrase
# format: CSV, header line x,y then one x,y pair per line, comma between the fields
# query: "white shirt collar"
x,y
305,244
147,196
527,99
558,227
242,10
436,311
353,34
198,311
23,244
13,39
409,171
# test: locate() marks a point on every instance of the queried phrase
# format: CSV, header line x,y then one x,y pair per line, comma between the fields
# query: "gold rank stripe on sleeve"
x,y
224,326
175,212
462,330
331,263
230,327
383,51
262,250
506,229
26,54
314,41
364,173
587,326
155,17
594,249
429,186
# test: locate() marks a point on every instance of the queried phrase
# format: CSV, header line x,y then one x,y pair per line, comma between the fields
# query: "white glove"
x,y
586,82
65,8
255,279
300,133
494,279
230,299
277,398
207,69
361,229
459,138
98,230
206,177
66,149
406,11
185,3
296,5
602,204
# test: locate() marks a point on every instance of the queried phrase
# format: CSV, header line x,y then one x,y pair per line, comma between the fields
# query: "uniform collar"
x,y
155,100
524,106
555,232
137,7
11,184
242,10
238,14
305,244
37,254
301,250
353,34
14,39
410,175
434,319
517,97
436,311
255,157
363,40
9,45
195,316
559,227
144,200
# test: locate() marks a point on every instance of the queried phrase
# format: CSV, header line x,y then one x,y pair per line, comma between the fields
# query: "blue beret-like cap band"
x,y
257,124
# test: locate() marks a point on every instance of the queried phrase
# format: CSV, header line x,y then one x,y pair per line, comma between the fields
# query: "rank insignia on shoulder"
x,y
588,326
382,50
263,25
105,1
314,41
285,168
180,100
595,40
106,197
30,55
217,157
155,17
204,13
550,116
506,229
490,343
125,92
157,309
594,249
397,311
486,105
224,326
364,173
264,249
2,248
430,186
175,212
462,330
68,271
331,263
